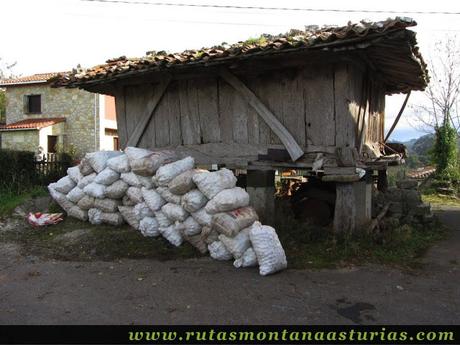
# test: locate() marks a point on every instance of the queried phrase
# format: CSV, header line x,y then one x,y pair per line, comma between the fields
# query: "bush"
x,y
17,172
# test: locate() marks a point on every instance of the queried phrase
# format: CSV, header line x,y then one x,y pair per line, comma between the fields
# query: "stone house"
x,y
39,116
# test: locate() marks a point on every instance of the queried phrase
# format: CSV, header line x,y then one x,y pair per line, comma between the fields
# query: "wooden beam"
x,y
295,151
152,104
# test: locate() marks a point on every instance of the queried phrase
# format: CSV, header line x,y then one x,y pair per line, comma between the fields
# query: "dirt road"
x,y
202,291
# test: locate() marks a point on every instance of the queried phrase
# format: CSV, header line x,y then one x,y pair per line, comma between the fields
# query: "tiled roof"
x,y
32,124
30,79
421,173
391,49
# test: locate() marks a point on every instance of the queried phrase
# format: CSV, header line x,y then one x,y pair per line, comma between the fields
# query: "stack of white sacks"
x,y
159,194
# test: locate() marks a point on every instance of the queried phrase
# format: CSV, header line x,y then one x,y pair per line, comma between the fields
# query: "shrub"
x,y
17,171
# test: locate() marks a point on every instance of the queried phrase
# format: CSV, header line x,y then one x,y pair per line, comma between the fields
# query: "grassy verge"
x,y
401,246
438,199
10,200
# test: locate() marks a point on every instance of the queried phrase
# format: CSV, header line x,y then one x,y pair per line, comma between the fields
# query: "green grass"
x,y
308,246
9,200
437,199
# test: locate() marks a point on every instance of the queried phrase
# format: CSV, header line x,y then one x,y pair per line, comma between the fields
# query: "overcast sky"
x,y
56,35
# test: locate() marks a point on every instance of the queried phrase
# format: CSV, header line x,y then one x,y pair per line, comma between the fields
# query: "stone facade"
x,y
82,128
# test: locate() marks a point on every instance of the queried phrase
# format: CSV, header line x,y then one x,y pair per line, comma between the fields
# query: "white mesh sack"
x,y
141,211
61,199
209,235
114,218
227,200
193,200
196,241
75,195
172,234
174,212
145,162
86,202
168,196
211,183
126,201
77,212
64,185
107,205
269,251
75,174
129,216
248,259
146,181
162,220
232,222
86,180
153,199
218,251
85,167
95,216
116,190
167,172
95,190
237,245
131,179
183,183
202,217
191,227
107,177
149,227
98,160
120,164
135,194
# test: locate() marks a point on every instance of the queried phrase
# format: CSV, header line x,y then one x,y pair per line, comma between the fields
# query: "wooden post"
x,y
345,209
382,181
261,189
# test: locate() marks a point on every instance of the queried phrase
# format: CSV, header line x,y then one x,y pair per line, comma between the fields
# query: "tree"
x,y
6,71
440,113
443,91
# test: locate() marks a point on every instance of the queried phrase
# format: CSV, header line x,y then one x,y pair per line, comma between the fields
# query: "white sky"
x,y
56,35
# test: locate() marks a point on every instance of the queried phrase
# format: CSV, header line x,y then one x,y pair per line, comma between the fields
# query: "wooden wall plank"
x,y
174,118
190,119
343,98
318,95
225,95
293,107
120,107
208,108
259,87
160,123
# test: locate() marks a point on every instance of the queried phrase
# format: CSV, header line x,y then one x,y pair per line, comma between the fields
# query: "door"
x,y
52,141
116,143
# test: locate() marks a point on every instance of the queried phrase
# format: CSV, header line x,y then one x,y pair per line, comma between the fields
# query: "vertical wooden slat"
x,y
190,120
225,111
174,118
293,111
343,98
208,109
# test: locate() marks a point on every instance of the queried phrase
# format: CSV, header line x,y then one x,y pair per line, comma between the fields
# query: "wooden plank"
x,y
240,119
136,99
150,108
190,118
160,123
208,109
345,209
288,140
120,109
343,99
258,128
293,106
226,96
318,96
173,101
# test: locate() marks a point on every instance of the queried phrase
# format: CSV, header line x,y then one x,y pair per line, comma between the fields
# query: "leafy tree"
x,y
445,153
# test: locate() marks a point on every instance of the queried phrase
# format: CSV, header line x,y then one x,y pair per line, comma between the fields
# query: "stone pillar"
x,y
261,189
363,199
345,209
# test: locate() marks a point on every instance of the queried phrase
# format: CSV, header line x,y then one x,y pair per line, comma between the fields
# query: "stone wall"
x,y
20,140
76,105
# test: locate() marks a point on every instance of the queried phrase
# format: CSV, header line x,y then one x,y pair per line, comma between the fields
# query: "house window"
x,y
52,141
33,104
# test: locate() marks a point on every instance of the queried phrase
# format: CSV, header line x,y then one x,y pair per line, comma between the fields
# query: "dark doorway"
x,y
116,143
52,141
